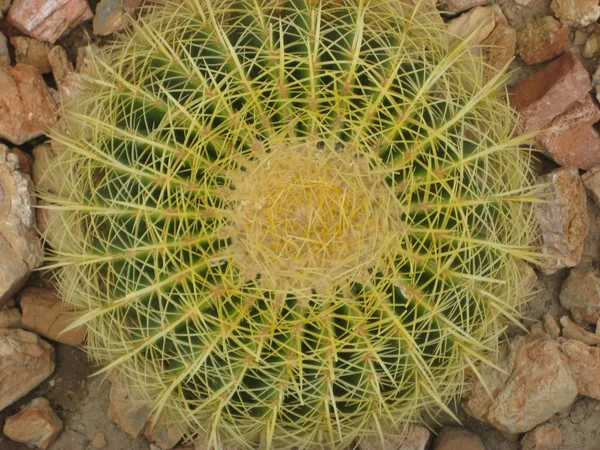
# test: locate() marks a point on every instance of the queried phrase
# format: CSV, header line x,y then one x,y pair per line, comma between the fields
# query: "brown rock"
x,y
500,48
99,441
412,437
542,39
4,5
584,364
44,313
112,15
550,326
33,52
550,91
580,293
25,361
48,20
10,318
453,438
19,244
570,138
480,20
84,64
4,55
563,220
60,64
26,106
544,437
576,13
24,161
166,436
591,47
462,5
127,409
591,182
37,425
573,331
537,384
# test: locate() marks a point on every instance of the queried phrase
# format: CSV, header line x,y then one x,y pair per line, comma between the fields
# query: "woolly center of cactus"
x,y
310,217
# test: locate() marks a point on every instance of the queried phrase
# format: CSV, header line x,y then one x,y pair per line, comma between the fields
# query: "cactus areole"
x,y
289,223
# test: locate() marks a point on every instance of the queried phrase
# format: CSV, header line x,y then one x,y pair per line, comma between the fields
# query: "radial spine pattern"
x,y
290,223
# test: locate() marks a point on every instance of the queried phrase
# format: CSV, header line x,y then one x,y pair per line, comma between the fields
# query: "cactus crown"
x,y
290,222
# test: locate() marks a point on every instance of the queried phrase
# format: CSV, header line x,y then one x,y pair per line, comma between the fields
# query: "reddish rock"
x,y
541,39
584,365
549,92
48,20
25,361
500,48
26,106
453,438
544,437
535,384
33,52
580,293
44,313
591,182
576,13
573,331
563,220
570,138
37,425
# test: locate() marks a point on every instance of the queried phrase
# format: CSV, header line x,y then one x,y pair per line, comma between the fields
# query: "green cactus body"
x,y
290,223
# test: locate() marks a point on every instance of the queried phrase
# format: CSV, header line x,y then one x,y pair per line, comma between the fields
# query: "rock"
x,y
543,437
563,220
580,293
573,331
37,425
48,20
33,52
591,182
10,318
166,436
26,106
4,55
576,13
453,438
99,441
591,47
112,15
19,244
4,5
60,64
412,437
128,410
480,20
500,48
528,277
44,313
550,91
537,384
550,326
570,139
42,156
24,161
456,6
542,39
25,361
84,64
584,365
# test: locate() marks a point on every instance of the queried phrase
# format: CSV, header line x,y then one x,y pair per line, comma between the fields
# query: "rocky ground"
x,y
548,395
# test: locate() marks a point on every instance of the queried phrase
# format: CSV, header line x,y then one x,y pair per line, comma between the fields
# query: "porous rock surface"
x,y
26,106
19,244
37,425
25,361
542,39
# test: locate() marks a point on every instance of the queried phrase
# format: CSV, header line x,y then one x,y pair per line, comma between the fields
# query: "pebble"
x,y
563,220
26,96
33,52
535,384
411,437
543,437
573,331
25,361
112,15
48,20
580,294
36,425
453,438
44,314
480,20
550,91
576,13
541,39
10,318
591,47
550,326
19,244
584,366
99,441
571,139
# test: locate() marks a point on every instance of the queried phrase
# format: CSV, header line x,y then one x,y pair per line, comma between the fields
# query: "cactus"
x,y
290,223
